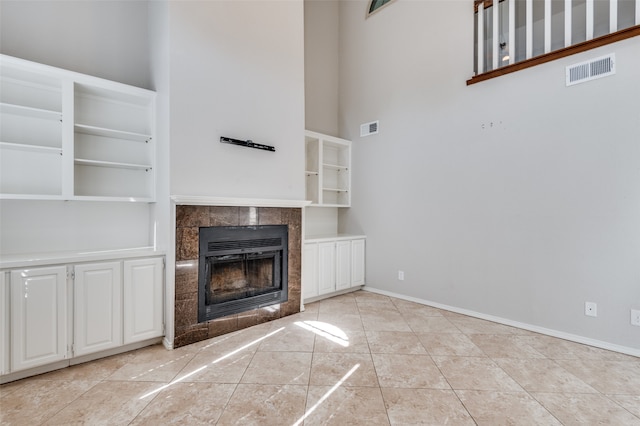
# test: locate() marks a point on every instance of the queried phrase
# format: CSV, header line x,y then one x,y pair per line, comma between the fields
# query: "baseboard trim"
x,y
333,294
529,327
167,344
47,368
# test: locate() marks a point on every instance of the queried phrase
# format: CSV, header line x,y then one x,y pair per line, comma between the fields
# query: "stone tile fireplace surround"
x,y
189,218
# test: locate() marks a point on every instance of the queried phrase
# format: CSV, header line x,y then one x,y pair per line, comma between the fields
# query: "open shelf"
x,y
113,198
30,171
26,111
111,164
32,197
327,170
334,166
66,135
111,133
30,148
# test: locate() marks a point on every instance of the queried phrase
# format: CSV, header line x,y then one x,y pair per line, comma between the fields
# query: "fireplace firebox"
x,y
241,268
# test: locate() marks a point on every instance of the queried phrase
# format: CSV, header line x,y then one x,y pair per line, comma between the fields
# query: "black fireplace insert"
x,y
241,268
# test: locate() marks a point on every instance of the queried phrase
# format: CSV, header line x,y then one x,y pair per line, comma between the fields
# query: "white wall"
x,y
321,46
516,197
237,70
105,39
159,54
55,226
321,73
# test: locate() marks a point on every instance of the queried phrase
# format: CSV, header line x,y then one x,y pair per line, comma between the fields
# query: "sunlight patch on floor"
x,y
327,395
328,331
258,340
151,370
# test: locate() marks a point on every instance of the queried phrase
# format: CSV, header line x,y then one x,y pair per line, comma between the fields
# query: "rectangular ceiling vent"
x,y
367,129
590,70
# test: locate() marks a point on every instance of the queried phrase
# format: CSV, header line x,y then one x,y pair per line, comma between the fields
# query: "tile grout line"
x,y
386,411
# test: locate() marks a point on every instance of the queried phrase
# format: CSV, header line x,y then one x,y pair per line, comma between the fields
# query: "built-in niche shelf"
x,y
112,133
68,136
97,163
327,170
31,143
27,111
29,147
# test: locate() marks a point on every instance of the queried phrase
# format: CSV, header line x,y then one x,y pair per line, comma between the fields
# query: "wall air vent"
x,y
367,129
590,70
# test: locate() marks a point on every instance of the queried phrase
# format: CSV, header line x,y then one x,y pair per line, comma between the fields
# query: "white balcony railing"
x,y
517,30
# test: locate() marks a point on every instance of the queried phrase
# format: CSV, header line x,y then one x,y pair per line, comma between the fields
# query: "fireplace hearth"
x,y
241,268
188,327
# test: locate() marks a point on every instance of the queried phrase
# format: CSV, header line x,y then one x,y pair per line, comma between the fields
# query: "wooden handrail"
x,y
557,54
487,4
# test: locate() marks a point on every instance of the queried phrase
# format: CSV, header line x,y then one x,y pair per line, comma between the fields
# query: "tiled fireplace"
x,y
189,220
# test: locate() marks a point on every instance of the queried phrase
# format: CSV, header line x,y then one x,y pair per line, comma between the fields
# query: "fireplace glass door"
x,y
241,268
238,276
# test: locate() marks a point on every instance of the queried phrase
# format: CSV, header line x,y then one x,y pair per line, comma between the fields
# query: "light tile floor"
x,y
360,358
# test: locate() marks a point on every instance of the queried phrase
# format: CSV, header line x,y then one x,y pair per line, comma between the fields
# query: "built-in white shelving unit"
x,y
77,157
327,170
69,136
331,262
30,133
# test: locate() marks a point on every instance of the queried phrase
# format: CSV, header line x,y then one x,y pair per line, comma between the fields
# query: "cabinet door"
x,y
38,317
357,262
4,324
343,265
143,299
310,271
97,307
326,267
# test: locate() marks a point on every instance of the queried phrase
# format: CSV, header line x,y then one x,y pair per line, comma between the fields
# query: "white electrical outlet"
x,y
635,317
590,309
400,275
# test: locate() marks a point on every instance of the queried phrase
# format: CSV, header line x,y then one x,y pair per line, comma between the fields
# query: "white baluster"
x,y
613,16
567,23
547,26
481,38
512,32
589,22
496,38
529,28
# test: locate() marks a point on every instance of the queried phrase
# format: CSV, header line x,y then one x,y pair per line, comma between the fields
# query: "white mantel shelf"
x,y
194,200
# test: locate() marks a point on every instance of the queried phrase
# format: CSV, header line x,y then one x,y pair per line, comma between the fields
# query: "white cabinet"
x,y
38,317
332,264
327,170
70,136
97,307
143,299
357,262
310,270
57,313
326,267
343,265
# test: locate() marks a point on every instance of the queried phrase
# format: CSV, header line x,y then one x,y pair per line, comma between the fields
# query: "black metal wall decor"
x,y
248,143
